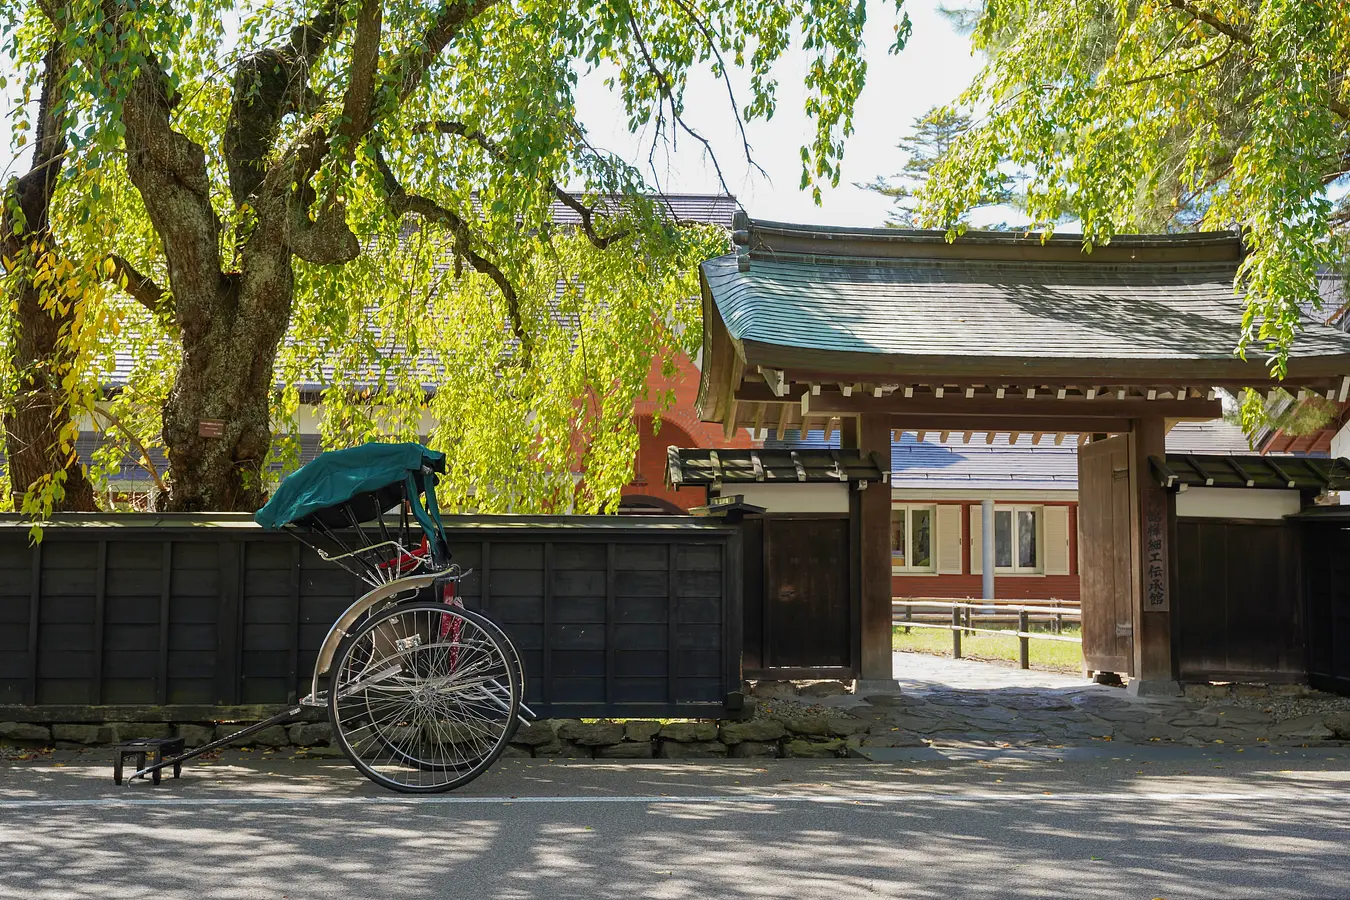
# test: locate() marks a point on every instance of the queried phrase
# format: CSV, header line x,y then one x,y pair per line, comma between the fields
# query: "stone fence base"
x,y
813,737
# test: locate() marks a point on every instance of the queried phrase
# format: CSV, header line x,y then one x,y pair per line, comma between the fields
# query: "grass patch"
x,y
1060,656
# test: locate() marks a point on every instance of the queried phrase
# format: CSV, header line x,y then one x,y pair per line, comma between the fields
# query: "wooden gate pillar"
x,y
1151,527
874,530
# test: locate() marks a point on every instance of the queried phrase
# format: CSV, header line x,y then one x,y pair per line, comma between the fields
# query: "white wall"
x,y
795,497
1340,447
1237,503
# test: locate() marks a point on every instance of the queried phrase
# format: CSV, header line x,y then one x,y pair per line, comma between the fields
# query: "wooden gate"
x,y
1105,570
799,602
1241,614
1326,567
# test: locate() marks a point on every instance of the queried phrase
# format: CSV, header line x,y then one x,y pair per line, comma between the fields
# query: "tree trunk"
x,y
225,382
37,414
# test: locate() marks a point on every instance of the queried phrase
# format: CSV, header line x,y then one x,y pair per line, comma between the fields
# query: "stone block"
x,y
892,739
693,749
591,734
332,751
194,735
1194,718
1238,715
823,689
565,750
549,750
1227,735
734,733
801,749
1206,691
843,726
1339,723
641,730
1311,727
310,734
226,729
84,734
815,726
1256,691
626,750
536,734
775,690
516,751
136,731
754,750
24,731
685,732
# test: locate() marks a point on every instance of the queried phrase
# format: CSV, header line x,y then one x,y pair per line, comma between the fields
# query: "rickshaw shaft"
x,y
280,717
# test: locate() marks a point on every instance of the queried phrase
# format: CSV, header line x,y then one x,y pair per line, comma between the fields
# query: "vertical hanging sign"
x,y
1155,552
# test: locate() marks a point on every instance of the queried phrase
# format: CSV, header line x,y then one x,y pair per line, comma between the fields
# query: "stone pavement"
x,y
961,703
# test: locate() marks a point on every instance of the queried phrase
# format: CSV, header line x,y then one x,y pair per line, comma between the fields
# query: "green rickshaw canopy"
x,y
369,480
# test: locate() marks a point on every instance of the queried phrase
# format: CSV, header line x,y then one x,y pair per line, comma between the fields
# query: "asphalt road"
x,y
1136,824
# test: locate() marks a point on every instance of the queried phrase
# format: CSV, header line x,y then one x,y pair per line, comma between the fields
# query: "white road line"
x,y
739,799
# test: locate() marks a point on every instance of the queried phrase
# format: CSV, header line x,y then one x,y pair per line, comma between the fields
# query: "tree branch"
x,y
403,203
268,84
726,79
141,287
360,95
145,454
1188,70
584,212
454,15
663,85
1212,21
1242,37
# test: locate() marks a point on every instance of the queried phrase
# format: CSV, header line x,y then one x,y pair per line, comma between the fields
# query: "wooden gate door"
x,y
1105,571
1326,563
806,593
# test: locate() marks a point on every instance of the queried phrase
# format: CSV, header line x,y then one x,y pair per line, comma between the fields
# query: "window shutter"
x,y
976,547
948,539
1056,528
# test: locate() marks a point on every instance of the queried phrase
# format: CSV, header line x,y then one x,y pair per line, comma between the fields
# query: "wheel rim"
x,y
420,710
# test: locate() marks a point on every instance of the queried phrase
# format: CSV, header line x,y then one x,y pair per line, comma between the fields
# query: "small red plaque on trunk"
x,y
211,428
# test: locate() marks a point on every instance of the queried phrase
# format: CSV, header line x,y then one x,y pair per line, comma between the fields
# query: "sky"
x,y
933,69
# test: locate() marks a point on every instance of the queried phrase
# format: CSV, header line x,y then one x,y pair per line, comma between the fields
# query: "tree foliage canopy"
x,y
361,197
1137,115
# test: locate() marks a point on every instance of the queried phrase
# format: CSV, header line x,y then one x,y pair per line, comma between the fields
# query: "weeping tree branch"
x,y
663,85
454,15
403,203
585,213
1242,37
144,462
726,80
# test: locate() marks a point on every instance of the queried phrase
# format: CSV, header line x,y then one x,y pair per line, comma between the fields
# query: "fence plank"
x,y
611,622
100,603
672,637
293,656
165,598
546,664
34,618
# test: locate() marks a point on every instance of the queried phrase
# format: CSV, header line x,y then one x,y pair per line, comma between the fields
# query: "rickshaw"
x,y
423,694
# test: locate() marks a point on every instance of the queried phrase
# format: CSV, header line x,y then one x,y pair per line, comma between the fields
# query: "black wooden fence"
x,y
613,615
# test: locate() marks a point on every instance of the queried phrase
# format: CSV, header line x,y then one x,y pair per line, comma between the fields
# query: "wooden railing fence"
x,y
960,617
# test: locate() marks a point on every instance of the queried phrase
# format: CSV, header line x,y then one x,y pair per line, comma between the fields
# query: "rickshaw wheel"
x,y
517,663
423,696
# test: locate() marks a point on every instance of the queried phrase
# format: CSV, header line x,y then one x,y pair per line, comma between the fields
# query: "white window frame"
x,y
908,568
1038,511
